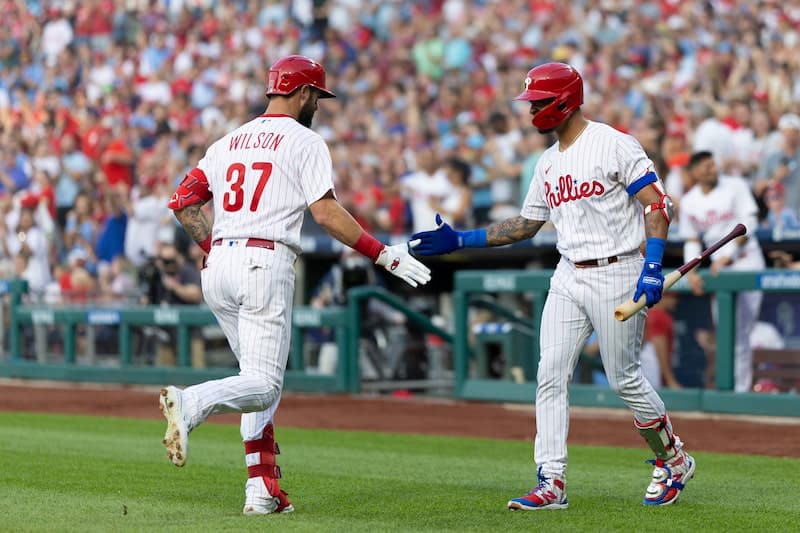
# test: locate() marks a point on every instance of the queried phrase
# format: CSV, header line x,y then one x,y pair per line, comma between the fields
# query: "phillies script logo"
x,y
569,189
395,264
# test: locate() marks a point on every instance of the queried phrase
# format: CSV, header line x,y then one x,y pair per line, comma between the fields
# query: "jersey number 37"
x,y
234,198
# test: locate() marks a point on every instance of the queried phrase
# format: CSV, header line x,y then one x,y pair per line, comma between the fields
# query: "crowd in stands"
x,y
104,105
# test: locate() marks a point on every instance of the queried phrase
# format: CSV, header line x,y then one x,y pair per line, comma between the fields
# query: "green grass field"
x,y
69,473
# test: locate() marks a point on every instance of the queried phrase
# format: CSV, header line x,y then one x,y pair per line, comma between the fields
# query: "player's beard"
x,y
306,115
545,132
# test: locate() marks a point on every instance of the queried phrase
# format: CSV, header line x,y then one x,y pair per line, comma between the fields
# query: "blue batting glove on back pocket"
x,y
650,284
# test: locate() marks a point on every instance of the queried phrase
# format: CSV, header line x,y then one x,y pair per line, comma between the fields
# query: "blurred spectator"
x,y
503,167
532,147
783,165
81,228
422,187
779,215
28,245
75,282
711,135
6,258
119,283
173,281
456,207
13,176
116,159
111,236
146,213
75,169
659,342
782,259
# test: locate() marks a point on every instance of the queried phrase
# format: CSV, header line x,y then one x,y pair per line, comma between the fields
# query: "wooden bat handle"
x,y
627,309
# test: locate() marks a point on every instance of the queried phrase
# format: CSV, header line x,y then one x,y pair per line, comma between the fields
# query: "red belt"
x,y
597,262
252,243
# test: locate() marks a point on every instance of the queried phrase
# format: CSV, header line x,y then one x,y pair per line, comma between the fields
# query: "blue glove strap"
x,y
475,238
654,251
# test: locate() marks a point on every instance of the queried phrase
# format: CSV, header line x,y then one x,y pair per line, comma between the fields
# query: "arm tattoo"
x,y
512,230
194,221
655,225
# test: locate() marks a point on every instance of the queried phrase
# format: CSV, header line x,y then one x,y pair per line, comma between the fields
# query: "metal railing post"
x,y
726,339
352,367
183,345
460,340
125,344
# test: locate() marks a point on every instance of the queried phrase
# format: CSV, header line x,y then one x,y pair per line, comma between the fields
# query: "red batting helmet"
x,y
291,72
553,80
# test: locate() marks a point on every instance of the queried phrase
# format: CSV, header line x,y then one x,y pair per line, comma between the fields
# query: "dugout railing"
x,y
470,384
346,323
26,327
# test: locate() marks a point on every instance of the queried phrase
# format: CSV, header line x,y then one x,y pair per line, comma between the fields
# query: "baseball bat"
x,y
626,310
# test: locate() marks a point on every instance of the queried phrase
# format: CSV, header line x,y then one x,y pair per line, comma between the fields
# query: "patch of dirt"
x,y
746,435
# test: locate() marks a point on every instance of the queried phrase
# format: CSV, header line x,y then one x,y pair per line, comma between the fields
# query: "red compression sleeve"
x,y
205,244
368,246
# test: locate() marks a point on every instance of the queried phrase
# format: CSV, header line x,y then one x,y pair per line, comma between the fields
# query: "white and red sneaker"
x,y
550,493
263,495
669,478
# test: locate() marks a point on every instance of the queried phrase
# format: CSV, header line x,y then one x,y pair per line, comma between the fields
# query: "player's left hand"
x,y
650,284
398,261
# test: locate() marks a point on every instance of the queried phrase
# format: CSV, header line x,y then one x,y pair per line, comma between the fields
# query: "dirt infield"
x,y
747,435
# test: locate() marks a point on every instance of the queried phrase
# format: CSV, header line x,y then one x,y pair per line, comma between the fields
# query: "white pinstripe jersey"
x,y
583,192
262,177
709,217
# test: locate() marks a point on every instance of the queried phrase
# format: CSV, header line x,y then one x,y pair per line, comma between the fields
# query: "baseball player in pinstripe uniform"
x,y
261,178
598,188
709,210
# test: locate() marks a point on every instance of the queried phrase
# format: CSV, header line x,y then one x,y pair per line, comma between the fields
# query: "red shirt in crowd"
x,y
659,322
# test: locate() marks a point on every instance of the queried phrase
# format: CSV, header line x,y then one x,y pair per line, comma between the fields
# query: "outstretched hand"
x,y
650,284
443,240
398,261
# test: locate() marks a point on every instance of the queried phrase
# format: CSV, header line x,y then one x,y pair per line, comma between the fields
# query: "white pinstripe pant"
x,y
580,300
250,291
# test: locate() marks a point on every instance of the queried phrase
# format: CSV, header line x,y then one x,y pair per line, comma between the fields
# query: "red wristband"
x,y
205,244
368,246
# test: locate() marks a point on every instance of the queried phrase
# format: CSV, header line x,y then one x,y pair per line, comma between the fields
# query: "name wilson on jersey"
x,y
263,140
569,189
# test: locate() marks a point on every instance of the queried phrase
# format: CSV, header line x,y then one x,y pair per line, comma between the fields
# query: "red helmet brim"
x,y
530,96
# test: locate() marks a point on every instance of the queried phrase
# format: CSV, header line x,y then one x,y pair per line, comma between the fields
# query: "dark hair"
x,y
697,158
460,166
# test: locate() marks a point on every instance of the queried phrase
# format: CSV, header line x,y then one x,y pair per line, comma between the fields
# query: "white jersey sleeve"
x,y
316,171
632,161
535,206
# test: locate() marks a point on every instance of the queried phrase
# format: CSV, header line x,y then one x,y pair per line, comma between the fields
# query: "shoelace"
x,y
543,480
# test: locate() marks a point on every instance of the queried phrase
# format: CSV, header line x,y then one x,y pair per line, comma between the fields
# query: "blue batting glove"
x,y
442,240
650,284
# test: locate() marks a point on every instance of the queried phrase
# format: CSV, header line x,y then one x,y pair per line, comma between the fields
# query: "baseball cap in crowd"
x,y
789,121
77,255
29,201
